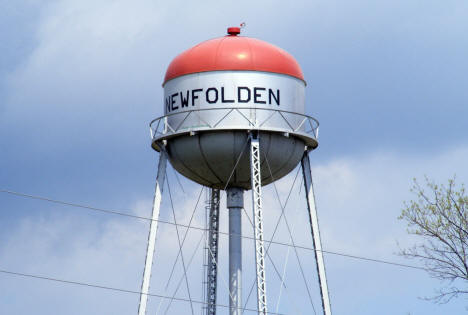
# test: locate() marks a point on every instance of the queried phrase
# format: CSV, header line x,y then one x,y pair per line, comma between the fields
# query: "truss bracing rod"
x,y
212,252
161,176
256,181
309,189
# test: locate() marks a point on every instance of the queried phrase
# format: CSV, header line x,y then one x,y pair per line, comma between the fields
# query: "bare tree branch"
x,y
440,219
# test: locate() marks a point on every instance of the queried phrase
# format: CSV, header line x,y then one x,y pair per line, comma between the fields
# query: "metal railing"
x,y
196,120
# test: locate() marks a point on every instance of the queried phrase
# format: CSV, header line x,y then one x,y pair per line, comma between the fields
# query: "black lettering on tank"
x,y
184,101
223,100
194,96
239,94
173,101
272,95
212,89
168,104
258,95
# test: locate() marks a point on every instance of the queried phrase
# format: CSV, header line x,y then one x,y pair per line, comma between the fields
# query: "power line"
x,y
97,286
114,212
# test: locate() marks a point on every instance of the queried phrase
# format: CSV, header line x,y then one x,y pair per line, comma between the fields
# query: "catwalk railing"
x,y
239,118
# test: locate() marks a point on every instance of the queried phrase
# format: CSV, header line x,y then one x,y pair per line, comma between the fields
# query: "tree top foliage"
x,y
439,216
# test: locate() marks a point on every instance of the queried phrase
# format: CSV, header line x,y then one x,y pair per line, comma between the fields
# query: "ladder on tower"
x,y
211,252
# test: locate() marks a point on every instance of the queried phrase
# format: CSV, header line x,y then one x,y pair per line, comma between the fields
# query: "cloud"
x,y
85,59
360,197
69,246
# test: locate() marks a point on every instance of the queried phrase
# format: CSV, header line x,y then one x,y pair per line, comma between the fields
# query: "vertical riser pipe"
x,y
235,204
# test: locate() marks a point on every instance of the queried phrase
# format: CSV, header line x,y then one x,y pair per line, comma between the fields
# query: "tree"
x,y
439,217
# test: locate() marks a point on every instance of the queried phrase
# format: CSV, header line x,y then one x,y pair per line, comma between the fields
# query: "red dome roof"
x,y
233,52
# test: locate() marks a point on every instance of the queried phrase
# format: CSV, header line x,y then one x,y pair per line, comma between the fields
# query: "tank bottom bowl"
x,y
209,158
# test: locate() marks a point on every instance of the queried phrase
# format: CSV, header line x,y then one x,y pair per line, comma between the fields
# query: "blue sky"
x,y
80,80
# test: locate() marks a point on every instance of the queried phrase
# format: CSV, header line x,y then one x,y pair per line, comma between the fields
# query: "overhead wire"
x,y
115,212
97,286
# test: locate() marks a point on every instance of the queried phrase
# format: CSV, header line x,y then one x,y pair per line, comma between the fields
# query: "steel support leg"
x,y
161,176
309,189
256,181
235,203
212,266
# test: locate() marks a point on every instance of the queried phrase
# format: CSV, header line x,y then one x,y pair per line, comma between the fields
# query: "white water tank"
x,y
216,94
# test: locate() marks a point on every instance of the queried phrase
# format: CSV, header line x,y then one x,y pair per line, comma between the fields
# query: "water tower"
x,y
232,104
